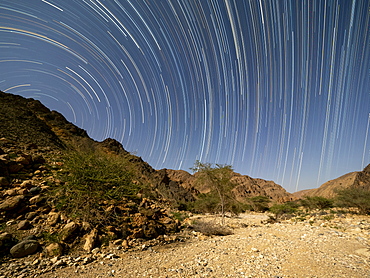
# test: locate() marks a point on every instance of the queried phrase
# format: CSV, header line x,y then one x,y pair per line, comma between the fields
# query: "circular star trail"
x,y
277,89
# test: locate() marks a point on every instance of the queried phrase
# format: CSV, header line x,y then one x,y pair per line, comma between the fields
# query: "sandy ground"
x,y
335,248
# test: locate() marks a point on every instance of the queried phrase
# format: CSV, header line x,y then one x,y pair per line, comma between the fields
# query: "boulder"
x,y
5,239
24,225
24,248
54,249
11,203
91,239
4,181
53,218
68,230
27,184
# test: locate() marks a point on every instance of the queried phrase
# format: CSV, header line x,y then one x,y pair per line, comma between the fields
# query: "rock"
x,y
14,167
91,239
39,159
3,168
27,184
5,238
31,215
54,249
54,259
10,192
22,160
23,225
118,241
36,200
24,248
68,230
11,203
125,244
53,218
35,190
22,191
87,260
4,181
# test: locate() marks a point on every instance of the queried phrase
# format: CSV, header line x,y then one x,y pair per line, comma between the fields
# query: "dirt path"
x,y
335,248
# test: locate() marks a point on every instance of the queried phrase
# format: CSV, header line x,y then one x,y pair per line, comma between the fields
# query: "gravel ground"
x,y
317,248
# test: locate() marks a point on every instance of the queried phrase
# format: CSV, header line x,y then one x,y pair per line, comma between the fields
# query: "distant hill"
x,y
328,189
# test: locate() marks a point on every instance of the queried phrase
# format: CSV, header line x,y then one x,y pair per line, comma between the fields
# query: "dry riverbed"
x,y
317,247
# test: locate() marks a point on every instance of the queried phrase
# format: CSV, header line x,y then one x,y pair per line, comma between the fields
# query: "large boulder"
x,y
24,248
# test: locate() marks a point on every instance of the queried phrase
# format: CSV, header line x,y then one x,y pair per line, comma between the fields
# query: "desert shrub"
x,y
90,180
316,202
259,203
356,197
280,210
209,228
210,203
206,203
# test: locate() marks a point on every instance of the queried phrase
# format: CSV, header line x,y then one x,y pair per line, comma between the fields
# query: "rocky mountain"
x,y
329,188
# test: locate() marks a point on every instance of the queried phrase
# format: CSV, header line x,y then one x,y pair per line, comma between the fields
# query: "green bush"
x,y
209,203
356,197
206,203
259,203
316,202
90,180
280,210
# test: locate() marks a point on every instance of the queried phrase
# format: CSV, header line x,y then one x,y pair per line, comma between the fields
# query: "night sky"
x,y
278,89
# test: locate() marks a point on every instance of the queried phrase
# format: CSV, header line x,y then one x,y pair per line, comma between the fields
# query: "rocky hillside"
x,y
27,121
328,189
50,205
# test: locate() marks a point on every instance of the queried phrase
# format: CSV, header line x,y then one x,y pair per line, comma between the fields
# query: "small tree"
x,y
218,178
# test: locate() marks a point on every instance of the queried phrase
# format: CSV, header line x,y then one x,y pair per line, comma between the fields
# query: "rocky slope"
x,y
328,189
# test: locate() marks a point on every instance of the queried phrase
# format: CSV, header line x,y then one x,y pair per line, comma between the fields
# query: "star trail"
x,y
278,89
